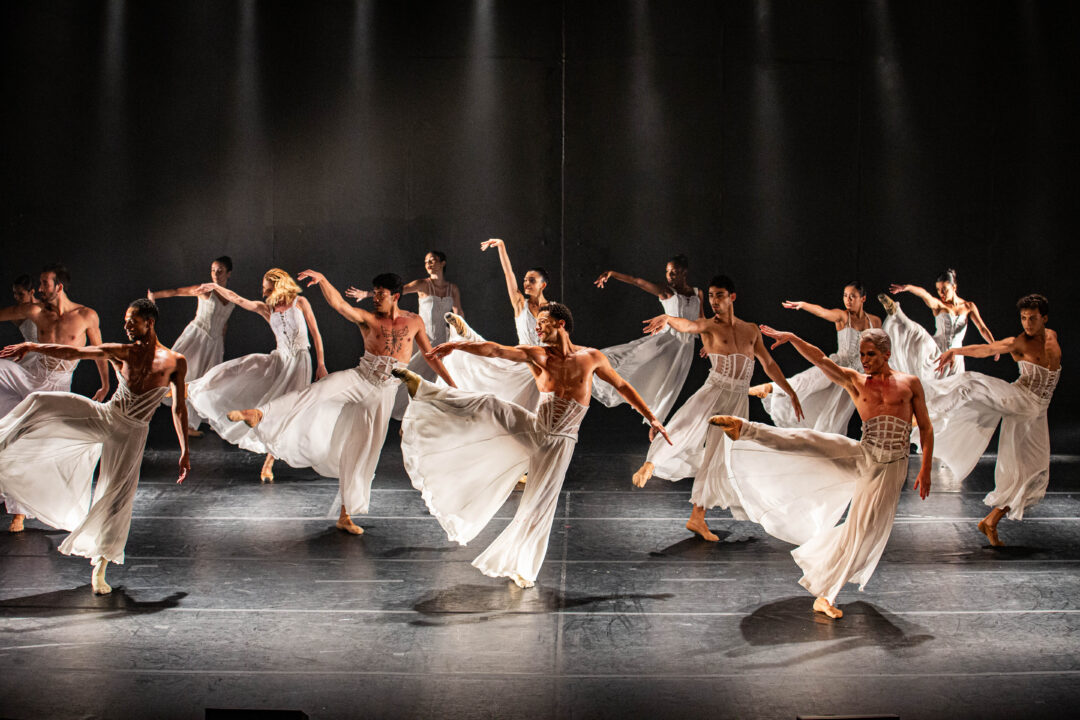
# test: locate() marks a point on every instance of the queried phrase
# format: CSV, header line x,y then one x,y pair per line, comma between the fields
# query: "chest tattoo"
x,y
393,339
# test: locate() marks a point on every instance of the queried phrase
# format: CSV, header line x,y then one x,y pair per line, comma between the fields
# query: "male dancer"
x,y
797,483
337,425
60,321
465,451
701,450
50,442
966,408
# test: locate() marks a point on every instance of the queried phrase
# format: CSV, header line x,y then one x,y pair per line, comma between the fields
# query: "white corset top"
x,y
53,370
950,330
290,330
560,416
139,408
731,371
211,314
1037,380
432,310
525,323
886,437
28,330
376,368
684,306
847,348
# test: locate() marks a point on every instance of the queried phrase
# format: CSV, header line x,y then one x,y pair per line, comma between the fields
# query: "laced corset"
x,y
1037,380
525,322
53,370
290,330
432,309
28,330
950,330
211,314
847,348
376,368
886,437
731,371
684,306
560,416
139,408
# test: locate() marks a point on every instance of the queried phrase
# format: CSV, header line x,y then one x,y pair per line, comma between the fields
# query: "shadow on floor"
x,y
695,548
81,600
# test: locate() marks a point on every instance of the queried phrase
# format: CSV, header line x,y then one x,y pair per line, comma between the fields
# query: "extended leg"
x,y
457,322
345,523
409,378
731,425
888,303
760,391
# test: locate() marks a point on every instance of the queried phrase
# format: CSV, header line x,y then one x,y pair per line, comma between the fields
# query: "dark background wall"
x,y
791,145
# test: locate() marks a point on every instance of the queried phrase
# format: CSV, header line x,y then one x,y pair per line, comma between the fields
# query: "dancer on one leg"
x,y
203,340
966,409
825,405
50,443
699,450
56,320
337,425
252,380
914,350
656,365
797,483
465,451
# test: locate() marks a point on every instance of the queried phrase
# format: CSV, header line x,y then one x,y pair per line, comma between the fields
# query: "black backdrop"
x,y
792,145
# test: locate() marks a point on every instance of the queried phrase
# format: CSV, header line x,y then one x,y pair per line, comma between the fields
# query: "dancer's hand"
x,y
357,294
320,372
99,396
797,407
185,466
922,483
779,336
604,277
205,289
314,277
945,360
655,428
655,325
441,350
150,295
703,352
16,352
793,304
897,288
492,243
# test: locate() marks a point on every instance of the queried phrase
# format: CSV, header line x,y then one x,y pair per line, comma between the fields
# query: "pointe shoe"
x,y
731,425
457,322
760,391
990,531
412,380
888,303
826,608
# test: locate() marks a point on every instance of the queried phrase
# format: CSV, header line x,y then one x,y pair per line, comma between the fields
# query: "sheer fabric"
x,y
202,343
506,380
915,351
433,309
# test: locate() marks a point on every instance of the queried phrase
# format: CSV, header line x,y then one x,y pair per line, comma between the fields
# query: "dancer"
x,y
465,451
337,426
437,297
967,408
914,350
256,379
50,443
203,340
701,451
508,381
657,364
797,483
826,407
22,290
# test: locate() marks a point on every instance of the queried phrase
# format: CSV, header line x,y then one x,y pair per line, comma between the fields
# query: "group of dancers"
x,y
477,416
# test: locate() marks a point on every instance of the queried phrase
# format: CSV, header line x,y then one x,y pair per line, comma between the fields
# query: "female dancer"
x,y
22,289
203,340
656,365
437,297
914,350
256,379
826,406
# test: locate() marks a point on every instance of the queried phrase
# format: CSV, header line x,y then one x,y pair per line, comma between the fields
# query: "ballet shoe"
x,y
409,378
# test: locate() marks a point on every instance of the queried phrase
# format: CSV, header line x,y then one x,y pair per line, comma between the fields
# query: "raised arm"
x,y
652,288
435,363
179,413
93,337
316,337
776,374
926,437
658,323
931,302
605,372
832,315
516,298
840,375
334,298
998,347
186,291
259,308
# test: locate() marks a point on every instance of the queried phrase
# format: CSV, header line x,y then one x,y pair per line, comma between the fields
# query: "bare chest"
x,y
61,329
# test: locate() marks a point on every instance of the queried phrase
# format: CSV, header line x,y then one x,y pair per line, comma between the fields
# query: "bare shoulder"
x,y
88,314
911,382
303,303
875,321
745,326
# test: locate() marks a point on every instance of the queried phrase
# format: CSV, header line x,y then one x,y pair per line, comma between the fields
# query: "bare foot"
x,y
643,474
97,579
194,433
990,531
760,391
698,526
822,605
521,582
888,303
731,425
412,380
457,322
251,417
16,523
266,474
345,523
521,481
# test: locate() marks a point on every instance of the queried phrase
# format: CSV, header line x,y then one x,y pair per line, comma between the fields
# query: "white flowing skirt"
x,y
247,382
655,365
797,483
335,426
966,409
418,365
505,379
202,352
465,453
826,406
914,350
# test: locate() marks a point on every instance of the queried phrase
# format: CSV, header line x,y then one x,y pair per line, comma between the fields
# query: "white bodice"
x,y
138,408
950,330
847,348
560,416
290,329
211,315
376,368
525,322
432,310
886,437
1038,380
731,371
52,371
28,330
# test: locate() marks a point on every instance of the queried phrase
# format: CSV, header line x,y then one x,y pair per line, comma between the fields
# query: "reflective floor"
x,y
241,595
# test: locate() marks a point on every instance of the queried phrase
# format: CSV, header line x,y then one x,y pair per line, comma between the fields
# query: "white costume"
x,y
28,329
505,379
253,380
655,365
335,426
465,453
48,448
203,343
700,450
915,352
966,409
826,406
433,309
797,483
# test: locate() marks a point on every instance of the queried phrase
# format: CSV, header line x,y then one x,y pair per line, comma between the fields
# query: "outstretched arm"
x,y
16,312
926,438
776,374
650,287
998,347
658,323
186,291
605,372
516,298
316,337
483,349
832,315
840,375
334,299
93,337
931,302
62,352
259,308
179,414
435,363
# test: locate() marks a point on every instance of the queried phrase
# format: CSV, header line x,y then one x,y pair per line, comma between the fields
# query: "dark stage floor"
x,y
238,595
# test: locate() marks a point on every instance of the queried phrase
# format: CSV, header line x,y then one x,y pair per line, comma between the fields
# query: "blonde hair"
x,y
878,337
285,288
